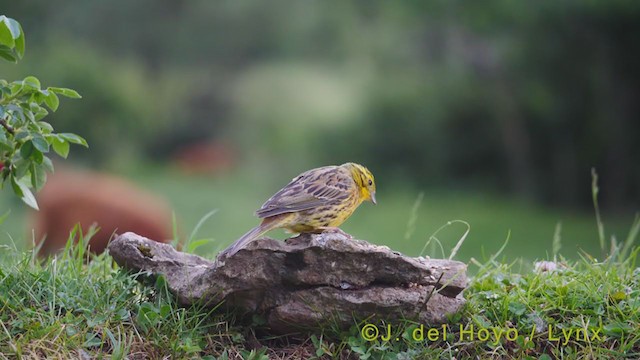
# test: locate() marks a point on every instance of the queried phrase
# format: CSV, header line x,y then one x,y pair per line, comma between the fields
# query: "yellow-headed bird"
x,y
316,200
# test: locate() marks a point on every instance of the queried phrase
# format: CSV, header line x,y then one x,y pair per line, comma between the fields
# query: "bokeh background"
x,y
490,112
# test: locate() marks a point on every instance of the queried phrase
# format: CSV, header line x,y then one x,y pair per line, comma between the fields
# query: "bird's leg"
x,y
335,230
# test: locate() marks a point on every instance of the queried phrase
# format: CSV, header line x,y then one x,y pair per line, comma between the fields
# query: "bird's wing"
x,y
314,188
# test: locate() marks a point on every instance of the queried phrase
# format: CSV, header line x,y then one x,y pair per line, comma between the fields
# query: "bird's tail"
x,y
245,239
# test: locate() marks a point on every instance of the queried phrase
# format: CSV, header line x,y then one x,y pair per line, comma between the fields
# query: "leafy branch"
x,y
25,138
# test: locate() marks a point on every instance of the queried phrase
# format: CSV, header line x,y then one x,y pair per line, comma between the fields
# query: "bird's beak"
x,y
373,198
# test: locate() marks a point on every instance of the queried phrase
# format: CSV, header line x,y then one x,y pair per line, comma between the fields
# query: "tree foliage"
x,y
25,138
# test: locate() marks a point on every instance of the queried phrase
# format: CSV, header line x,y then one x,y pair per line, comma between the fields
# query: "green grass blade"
x,y
594,194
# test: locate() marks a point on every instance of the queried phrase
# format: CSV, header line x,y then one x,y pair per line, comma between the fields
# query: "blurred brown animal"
x,y
114,204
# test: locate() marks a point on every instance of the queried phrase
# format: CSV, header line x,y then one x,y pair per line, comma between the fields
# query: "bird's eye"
x,y
370,182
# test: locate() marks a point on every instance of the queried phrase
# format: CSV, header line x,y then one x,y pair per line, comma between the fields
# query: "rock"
x,y
305,281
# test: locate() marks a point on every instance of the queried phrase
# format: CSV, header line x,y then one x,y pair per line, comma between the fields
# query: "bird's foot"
x,y
335,230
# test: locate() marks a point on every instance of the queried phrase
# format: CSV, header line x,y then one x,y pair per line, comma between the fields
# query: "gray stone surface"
x,y
305,281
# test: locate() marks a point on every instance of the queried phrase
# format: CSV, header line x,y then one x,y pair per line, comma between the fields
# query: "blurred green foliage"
x,y
520,97
400,220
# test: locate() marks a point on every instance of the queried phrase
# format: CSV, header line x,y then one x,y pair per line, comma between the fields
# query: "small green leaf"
x,y
618,296
24,193
517,308
7,54
165,310
37,156
40,143
16,87
617,329
92,340
31,82
12,25
45,127
70,330
21,167
60,146
5,145
38,97
40,113
74,139
6,38
66,92
29,114
26,149
52,101
17,189
20,135
38,176
20,44
47,163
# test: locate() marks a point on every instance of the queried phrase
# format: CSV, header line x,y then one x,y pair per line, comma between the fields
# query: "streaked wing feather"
x,y
268,211
311,189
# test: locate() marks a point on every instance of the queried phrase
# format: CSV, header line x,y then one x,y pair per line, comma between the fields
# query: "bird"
x,y
317,200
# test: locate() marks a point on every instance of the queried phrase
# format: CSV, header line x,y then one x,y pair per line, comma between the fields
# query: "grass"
x,y
70,308
585,307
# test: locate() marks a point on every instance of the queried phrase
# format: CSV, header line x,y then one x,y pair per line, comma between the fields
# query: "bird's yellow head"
x,y
364,179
